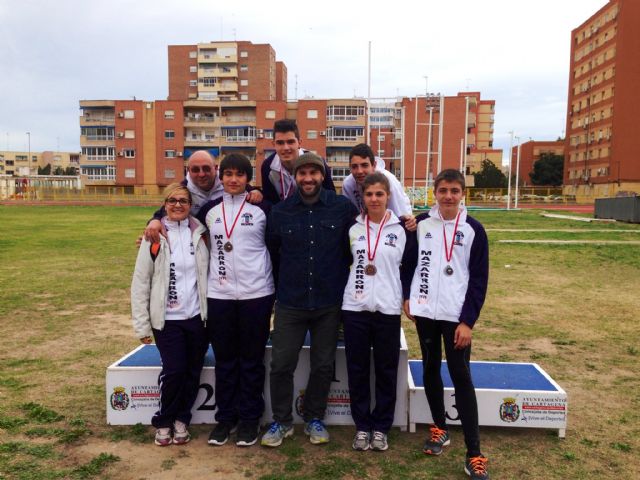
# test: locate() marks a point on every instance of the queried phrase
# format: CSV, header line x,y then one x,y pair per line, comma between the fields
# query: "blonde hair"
x,y
176,187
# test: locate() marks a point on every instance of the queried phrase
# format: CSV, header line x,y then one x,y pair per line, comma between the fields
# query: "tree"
x,y
58,171
548,170
46,170
489,176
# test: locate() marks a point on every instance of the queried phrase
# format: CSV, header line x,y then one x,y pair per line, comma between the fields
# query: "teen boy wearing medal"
x,y
371,309
240,298
447,292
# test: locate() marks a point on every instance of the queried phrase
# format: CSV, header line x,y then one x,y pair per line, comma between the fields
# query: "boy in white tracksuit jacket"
x,y
451,270
240,300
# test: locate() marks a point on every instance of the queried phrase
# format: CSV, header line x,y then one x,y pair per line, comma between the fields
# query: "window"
x,y
244,54
169,154
244,96
169,134
129,153
193,83
344,112
193,54
209,81
193,69
169,114
129,114
244,68
345,134
270,114
312,113
129,173
169,173
244,83
268,134
129,134
312,134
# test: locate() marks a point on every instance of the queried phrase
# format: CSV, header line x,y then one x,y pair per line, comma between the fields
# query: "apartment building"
x,y
226,71
530,153
603,103
225,96
441,132
18,163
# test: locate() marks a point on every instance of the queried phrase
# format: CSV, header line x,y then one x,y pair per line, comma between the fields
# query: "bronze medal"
x,y
448,270
228,247
370,269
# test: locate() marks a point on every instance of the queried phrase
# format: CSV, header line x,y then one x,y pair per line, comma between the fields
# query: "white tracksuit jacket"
x,y
245,272
383,291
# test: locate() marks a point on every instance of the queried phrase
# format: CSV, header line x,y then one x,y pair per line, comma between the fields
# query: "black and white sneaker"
x,y
247,433
220,434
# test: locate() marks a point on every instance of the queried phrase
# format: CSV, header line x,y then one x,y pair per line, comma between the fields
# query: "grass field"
x,y
64,316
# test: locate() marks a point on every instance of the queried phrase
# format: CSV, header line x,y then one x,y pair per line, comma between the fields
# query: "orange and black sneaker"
x,y
437,439
476,468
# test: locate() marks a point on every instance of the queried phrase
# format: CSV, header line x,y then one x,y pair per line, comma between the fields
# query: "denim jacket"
x,y
309,247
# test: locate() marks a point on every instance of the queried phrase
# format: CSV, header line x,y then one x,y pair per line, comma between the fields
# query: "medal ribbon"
x,y
375,248
284,195
448,252
224,218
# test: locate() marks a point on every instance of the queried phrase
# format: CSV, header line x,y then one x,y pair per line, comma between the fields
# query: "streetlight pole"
x,y
509,169
29,155
517,172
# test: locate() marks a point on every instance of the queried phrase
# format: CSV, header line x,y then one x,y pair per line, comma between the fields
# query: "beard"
x,y
310,193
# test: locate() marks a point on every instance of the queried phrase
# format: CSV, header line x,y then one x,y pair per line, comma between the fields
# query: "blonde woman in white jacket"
x,y
169,304
371,308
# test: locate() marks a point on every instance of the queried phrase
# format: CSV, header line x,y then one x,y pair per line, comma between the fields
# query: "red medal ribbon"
x,y
282,194
448,252
224,218
375,248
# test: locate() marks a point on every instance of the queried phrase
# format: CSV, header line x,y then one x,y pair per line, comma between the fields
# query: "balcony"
x,y
209,56
218,87
202,120
96,120
225,72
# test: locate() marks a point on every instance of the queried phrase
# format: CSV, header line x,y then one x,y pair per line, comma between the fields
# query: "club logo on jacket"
x,y
391,240
361,238
218,220
459,238
428,235
247,219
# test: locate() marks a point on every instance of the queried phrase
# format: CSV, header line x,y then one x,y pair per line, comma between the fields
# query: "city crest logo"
x,y
119,399
509,410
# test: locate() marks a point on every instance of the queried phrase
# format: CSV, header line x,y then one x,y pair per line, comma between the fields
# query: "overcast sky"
x,y
55,53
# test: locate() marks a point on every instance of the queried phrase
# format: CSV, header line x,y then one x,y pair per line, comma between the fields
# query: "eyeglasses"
x,y
291,141
174,201
205,169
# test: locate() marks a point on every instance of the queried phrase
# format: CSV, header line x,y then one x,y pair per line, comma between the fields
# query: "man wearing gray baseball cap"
x,y
307,237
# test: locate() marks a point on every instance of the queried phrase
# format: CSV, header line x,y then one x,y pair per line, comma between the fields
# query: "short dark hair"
x,y
449,175
285,125
376,177
238,162
363,150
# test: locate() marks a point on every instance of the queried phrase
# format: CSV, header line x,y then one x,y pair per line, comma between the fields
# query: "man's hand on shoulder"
x,y
410,222
153,231
254,196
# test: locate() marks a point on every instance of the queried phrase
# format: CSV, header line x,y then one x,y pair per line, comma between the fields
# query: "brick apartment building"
x,y
225,96
603,103
530,153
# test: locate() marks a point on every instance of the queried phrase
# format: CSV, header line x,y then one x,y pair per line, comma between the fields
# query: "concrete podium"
x,y
133,395
508,394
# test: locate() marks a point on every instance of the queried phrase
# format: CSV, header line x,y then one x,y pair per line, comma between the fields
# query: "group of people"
x,y
219,254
